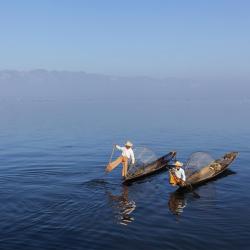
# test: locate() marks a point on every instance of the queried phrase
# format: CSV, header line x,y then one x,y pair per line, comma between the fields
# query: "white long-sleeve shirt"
x,y
129,153
180,173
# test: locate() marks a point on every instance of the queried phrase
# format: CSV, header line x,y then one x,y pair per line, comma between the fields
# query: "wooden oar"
x,y
111,156
110,159
192,190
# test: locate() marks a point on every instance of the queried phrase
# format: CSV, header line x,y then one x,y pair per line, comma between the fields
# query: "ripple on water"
x,y
54,193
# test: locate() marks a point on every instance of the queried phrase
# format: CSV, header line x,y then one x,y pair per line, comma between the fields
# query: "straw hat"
x,y
129,144
178,164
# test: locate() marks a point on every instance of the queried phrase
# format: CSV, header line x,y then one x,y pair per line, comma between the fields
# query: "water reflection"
x,y
179,200
123,207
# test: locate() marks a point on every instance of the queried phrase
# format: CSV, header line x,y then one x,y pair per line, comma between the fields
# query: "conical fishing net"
x,y
143,156
196,161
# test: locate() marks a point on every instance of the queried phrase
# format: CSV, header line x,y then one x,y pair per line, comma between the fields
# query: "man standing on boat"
x,y
126,158
177,175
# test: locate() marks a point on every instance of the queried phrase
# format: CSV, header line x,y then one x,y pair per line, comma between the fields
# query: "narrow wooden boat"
x,y
151,168
210,171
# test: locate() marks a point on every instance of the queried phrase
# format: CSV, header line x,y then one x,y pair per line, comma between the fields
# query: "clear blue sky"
x,y
176,38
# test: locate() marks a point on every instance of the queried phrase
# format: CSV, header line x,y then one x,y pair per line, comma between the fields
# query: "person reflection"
x,y
177,202
123,206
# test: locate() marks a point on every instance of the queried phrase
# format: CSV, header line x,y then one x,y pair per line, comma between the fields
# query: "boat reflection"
x,y
179,199
123,207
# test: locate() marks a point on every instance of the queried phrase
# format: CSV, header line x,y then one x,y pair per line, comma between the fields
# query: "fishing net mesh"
x,y
196,161
143,156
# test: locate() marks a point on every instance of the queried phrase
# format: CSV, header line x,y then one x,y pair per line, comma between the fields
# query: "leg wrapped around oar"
x,y
115,163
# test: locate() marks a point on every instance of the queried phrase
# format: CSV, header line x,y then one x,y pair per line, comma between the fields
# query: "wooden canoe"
x,y
151,168
211,171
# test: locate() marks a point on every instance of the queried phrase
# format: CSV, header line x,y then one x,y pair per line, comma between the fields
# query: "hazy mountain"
x,y
43,84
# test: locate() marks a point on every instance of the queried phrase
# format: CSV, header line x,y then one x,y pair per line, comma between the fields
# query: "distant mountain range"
x,y
43,84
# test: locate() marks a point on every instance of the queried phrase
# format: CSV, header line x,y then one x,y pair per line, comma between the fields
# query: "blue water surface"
x,y
55,195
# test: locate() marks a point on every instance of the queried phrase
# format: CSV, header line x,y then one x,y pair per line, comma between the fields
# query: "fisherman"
x,y
126,158
177,174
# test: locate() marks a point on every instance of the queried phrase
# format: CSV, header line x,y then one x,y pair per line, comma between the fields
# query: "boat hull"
x,y
155,167
210,171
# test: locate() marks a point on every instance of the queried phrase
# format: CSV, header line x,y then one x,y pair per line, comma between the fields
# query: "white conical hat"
x,y
178,164
129,144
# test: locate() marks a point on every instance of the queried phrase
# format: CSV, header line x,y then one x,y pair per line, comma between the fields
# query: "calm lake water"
x,y
55,195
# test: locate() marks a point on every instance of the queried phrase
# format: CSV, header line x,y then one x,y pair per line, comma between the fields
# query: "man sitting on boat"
x,y
126,158
177,175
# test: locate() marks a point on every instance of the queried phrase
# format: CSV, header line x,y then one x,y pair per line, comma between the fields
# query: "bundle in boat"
x,y
147,163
